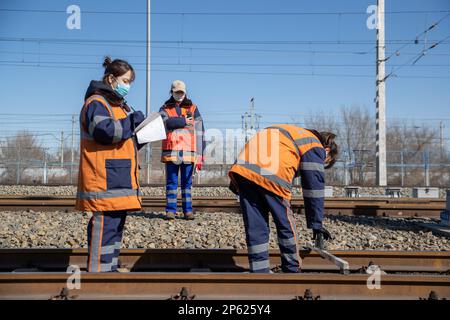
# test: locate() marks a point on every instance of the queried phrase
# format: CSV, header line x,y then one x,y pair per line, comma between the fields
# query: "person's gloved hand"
x,y
319,235
198,165
137,117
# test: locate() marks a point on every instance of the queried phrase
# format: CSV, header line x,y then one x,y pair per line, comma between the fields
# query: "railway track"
x,y
221,260
221,274
400,207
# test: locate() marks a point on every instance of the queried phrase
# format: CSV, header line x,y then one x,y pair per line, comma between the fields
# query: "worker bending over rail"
x,y
263,177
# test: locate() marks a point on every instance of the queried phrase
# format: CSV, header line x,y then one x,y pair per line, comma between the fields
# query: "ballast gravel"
x,y
213,230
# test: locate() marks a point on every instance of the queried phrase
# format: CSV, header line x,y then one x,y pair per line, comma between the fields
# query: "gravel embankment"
x,y
71,191
212,230
197,191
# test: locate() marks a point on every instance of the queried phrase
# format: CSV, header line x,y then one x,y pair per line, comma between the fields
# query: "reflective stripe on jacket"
x,y
108,174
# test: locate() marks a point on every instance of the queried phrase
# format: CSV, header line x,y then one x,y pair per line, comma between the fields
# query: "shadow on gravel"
x,y
389,223
188,260
155,215
147,215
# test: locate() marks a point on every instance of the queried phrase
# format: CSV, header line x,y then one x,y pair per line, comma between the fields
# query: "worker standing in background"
x,y
182,150
263,175
108,180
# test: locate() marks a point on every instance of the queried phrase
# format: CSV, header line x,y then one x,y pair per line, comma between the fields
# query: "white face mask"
x,y
178,97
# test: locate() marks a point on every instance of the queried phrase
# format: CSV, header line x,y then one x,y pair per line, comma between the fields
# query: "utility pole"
x,y
72,155
62,148
45,167
147,101
426,162
402,168
18,165
441,137
250,120
380,100
252,112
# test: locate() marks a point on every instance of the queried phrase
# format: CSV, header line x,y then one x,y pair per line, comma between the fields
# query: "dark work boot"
x,y
189,216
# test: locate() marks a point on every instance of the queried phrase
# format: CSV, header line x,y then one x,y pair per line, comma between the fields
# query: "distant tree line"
x,y
410,148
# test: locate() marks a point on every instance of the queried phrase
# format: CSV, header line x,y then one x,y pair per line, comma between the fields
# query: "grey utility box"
x,y
328,191
393,192
352,192
445,218
445,215
425,192
448,200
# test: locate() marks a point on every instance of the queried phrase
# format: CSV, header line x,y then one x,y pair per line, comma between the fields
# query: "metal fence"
x,y
356,167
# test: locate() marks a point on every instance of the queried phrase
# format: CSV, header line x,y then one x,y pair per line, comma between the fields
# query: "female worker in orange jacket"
x,y
182,150
108,183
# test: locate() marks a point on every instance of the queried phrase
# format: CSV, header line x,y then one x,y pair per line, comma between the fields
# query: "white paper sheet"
x,y
151,129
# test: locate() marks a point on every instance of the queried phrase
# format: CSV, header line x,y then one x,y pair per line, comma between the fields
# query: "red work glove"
x,y
198,165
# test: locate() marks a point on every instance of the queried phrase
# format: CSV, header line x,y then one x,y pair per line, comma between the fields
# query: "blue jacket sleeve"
x,y
173,122
312,175
200,133
104,129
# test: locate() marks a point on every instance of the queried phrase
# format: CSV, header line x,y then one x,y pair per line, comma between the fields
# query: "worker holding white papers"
x,y
182,150
108,180
151,129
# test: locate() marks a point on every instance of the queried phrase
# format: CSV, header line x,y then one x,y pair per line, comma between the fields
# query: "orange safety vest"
x,y
183,139
101,182
271,158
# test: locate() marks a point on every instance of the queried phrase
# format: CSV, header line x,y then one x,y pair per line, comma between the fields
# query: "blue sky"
x,y
292,64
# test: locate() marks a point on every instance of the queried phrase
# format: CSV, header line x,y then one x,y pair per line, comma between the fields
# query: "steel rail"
x,y
219,260
403,275
339,206
220,286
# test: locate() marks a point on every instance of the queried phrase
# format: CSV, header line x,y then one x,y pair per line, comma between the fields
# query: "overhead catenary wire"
x,y
414,59
218,64
315,74
415,40
424,51
200,13
181,46
324,52
241,42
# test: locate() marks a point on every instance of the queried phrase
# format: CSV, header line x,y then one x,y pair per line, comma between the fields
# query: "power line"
x,y
210,49
424,32
425,51
315,74
414,59
38,114
27,116
218,64
241,42
198,13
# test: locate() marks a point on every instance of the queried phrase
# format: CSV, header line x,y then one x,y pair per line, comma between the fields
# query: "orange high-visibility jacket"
x,y
182,144
108,173
273,157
